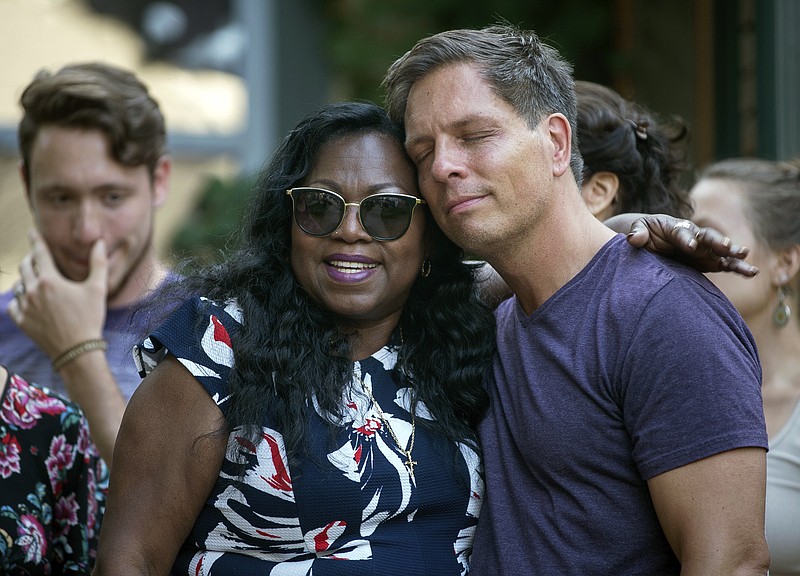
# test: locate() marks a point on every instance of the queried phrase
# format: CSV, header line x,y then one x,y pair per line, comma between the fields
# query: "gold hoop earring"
x,y
782,311
426,267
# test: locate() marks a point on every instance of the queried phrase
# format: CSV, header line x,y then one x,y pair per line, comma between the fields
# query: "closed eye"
x,y
476,136
420,156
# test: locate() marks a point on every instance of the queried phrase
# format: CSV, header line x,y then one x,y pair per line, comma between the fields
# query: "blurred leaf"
x,y
206,233
365,37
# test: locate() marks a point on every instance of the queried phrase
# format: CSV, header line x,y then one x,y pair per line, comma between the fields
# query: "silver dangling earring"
x,y
782,311
426,267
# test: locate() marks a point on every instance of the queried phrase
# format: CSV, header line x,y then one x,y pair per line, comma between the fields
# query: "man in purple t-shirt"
x,y
625,433
94,168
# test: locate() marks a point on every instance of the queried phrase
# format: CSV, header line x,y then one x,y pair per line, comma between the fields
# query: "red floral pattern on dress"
x,y
61,458
49,510
31,538
9,455
217,342
24,405
66,512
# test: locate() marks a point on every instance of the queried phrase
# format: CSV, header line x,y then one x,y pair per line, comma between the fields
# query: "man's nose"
x,y
88,225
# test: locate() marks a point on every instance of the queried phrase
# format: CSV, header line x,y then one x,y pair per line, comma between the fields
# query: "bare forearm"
x,y
91,385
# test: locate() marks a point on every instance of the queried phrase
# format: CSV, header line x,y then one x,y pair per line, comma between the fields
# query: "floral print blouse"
x,y
350,507
49,498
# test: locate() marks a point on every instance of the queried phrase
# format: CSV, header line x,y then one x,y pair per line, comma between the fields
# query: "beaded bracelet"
x,y
81,348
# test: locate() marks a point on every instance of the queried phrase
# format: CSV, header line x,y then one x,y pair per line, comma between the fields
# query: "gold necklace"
x,y
410,462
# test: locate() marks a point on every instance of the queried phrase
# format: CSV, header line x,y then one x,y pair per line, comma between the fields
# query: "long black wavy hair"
x,y
290,348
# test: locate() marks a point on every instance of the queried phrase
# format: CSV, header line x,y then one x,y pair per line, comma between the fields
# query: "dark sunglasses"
x,y
385,216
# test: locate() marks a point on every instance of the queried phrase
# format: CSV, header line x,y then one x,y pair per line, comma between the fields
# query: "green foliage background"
x,y
206,234
363,37
366,36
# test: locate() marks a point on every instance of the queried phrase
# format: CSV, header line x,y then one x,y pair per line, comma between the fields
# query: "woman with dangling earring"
x,y
757,202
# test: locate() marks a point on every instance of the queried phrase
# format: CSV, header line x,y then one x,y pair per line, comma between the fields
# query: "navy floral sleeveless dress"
x,y
349,508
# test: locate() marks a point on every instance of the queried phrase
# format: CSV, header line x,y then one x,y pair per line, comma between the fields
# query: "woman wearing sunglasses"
x,y
313,410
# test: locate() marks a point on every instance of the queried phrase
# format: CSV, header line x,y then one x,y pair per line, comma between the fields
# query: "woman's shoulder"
x,y
192,319
199,334
199,307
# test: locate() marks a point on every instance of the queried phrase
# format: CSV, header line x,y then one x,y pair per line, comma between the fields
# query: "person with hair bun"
x,y
757,201
633,161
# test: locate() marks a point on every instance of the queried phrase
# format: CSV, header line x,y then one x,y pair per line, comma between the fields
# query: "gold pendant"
x,y
410,464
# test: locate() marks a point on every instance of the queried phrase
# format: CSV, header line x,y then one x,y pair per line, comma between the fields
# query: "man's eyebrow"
x,y
60,187
54,187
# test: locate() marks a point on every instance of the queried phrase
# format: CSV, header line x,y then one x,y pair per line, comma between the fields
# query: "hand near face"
x,y
56,312
703,248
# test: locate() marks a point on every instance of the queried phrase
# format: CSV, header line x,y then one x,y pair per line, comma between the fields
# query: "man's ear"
x,y
600,194
161,175
561,139
25,178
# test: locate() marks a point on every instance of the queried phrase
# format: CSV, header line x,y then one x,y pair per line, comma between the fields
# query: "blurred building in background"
x,y
233,76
